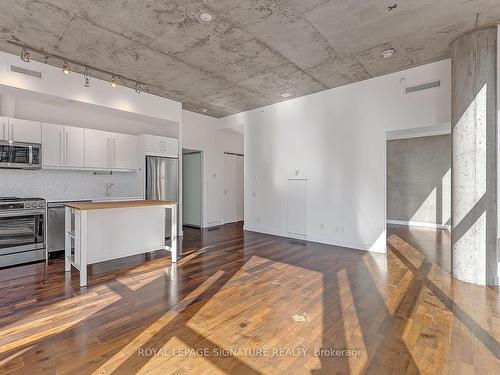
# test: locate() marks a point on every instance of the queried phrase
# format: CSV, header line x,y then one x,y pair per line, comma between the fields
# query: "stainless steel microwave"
x,y
20,155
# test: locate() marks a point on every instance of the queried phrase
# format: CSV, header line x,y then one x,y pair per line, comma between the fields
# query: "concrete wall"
x,y
419,180
192,185
335,139
202,133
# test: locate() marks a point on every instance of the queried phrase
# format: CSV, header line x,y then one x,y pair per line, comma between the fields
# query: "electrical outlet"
x,y
253,194
341,228
322,226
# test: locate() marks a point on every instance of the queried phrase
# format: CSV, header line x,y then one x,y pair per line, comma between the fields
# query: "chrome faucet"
x,y
109,185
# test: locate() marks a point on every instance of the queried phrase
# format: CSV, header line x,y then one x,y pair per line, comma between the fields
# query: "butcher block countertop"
x,y
86,206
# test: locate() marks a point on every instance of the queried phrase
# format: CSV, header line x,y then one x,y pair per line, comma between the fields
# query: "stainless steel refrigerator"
x,y
162,182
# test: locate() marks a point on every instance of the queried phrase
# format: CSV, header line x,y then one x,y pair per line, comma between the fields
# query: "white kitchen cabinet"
x,y
124,151
4,128
156,145
110,151
74,146
98,149
62,146
17,130
52,145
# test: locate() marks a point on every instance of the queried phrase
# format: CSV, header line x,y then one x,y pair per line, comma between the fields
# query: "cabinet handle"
x,y
12,132
114,152
66,148
60,147
3,131
108,151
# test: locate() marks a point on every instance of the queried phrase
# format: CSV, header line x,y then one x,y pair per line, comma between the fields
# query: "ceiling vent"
x,y
423,86
26,72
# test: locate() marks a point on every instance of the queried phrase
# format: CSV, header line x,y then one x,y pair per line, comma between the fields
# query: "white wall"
x,y
202,133
335,139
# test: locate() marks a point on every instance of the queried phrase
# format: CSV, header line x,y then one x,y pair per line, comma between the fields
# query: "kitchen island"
x,y
101,231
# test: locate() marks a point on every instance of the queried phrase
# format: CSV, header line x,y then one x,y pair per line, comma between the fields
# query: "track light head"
x,y
25,55
65,68
113,81
137,87
86,77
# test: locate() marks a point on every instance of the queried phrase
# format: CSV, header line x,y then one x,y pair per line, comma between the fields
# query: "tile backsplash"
x,y
66,185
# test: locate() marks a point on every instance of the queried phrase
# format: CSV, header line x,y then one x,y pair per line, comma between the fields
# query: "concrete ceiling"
x,y
252,50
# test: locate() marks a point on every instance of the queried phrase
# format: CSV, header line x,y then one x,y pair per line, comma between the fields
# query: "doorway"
x,y
233,188
419,196
192,188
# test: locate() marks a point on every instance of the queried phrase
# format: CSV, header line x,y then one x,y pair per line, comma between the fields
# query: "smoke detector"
x,y
206,17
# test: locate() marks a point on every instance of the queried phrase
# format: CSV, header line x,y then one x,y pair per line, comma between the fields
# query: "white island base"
x,y
97,232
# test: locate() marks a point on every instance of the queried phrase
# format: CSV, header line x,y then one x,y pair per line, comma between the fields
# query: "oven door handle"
x,y
8,213
30,157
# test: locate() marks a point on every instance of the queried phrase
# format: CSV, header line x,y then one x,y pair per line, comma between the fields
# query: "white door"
x,y
74,146
52,145
4,128
97,149
240,189
124,149
25,131
297,209
230,188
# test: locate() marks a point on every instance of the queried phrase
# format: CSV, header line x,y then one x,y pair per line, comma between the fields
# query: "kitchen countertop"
x,y
98,199
85,206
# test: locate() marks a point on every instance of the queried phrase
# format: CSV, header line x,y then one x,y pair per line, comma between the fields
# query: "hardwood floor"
x,y
247,303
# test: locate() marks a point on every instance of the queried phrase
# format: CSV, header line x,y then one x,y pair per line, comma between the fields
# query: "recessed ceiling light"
x,y
285,95
206,17
113,81
204,110
387,53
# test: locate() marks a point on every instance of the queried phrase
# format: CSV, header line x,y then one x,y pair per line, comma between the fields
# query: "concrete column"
x,y
474,157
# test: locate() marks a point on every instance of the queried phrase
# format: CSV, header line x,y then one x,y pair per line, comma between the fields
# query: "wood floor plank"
x,y
246,303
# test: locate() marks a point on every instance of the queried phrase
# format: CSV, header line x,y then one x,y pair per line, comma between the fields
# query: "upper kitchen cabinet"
x,y
156,145
98,149
110,151
17,130
124,151
63,146
4,126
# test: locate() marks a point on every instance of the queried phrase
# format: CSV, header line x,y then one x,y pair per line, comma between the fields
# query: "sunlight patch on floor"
x,y
138,342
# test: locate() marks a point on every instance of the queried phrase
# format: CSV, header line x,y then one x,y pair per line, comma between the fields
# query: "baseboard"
x,y
321,240
419,224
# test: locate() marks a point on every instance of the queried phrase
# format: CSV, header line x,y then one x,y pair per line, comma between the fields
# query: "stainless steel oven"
x,y
20,155
22,230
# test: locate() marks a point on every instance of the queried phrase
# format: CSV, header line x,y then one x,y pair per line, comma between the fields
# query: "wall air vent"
x,y
423,86
26,72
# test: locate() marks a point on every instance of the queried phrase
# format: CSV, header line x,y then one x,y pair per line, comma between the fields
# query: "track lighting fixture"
x,y
65,62
137,87
86,76
65,68
25,55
